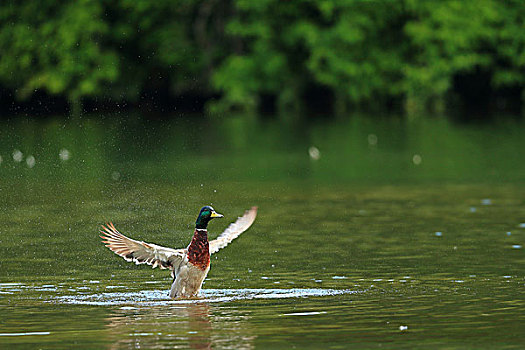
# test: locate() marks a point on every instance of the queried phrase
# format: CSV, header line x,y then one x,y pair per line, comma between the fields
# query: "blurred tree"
x,y
355,48
170,45
55,47
247,53
371,52
458,37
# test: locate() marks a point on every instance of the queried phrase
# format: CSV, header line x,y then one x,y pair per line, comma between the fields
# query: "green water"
x,y
400,235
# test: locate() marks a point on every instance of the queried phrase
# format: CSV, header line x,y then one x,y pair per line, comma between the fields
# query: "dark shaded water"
x,y
371,233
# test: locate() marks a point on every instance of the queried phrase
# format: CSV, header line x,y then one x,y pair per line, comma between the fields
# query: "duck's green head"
x,y
207,213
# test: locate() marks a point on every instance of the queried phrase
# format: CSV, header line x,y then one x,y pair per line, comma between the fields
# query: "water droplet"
x,y
372,139
439,234
516,246
403,328
522,225
473,209
486,201
509,233
18,156
314,153
64,154
30,161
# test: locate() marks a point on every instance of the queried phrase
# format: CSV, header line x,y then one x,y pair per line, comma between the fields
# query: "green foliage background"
x,y
362,53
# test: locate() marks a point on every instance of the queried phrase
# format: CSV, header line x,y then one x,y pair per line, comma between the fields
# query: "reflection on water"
x,y
194,326
148,319
362,148
378,310
161,326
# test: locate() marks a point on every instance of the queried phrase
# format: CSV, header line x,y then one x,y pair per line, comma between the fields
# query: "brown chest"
x,y
199,250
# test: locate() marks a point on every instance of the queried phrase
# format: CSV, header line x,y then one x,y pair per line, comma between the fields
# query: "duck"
x,y
189,266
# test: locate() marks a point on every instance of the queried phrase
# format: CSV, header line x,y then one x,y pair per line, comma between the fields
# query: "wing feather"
x,y
140,252
234,230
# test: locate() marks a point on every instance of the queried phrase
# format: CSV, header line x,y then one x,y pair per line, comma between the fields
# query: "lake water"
x,y
372,232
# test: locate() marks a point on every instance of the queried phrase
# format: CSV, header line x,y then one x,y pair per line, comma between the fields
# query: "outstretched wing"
x,y
234,230
141,252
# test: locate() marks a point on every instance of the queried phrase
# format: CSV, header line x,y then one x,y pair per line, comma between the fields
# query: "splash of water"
x,y
155,297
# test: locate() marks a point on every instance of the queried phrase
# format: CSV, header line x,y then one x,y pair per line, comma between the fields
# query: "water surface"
x,y
395,234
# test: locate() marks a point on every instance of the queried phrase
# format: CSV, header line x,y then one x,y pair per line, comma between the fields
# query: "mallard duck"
x,y
189,266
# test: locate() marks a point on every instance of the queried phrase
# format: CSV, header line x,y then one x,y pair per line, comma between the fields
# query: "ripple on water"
x,y
311,313
23,334
155,297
